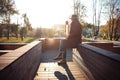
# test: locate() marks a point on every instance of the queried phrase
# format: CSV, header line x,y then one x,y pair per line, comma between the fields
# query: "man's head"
x,y
74,17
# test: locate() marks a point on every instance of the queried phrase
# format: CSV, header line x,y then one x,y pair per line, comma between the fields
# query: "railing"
x,y
97,63
25,63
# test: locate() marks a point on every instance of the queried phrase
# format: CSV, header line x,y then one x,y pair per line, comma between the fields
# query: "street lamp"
x,y
66,28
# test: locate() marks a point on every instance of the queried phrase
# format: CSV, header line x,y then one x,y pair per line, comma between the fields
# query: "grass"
x,y
17,40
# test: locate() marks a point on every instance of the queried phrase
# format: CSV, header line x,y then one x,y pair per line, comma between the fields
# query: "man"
x,y
73,40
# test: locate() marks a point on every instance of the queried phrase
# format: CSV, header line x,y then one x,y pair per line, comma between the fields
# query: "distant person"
x,y
104,37
72,40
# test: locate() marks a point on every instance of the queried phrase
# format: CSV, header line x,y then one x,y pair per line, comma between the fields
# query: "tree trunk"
x,y
8,32
1,33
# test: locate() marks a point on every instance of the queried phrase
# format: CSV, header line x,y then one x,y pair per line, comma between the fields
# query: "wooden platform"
x,y
23,64
8,58
53,71
50,70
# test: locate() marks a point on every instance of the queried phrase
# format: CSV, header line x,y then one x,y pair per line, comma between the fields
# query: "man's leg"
x,y
62,50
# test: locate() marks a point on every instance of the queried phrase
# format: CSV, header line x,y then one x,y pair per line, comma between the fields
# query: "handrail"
x,y
106,53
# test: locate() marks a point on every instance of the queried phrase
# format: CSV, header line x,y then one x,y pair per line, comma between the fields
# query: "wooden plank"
x,y
96,65
53,71
24,62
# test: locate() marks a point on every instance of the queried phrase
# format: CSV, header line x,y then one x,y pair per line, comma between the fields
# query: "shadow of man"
x,y
70,75
60,76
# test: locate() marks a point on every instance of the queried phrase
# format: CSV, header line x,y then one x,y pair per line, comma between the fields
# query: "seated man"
x,y
73,40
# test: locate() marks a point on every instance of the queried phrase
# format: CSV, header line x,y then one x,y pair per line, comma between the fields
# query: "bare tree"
x,y
26,22
99,14
111,6
79,9
117,25
97,11
94,17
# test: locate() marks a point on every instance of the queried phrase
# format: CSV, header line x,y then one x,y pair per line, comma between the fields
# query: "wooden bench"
x,y
22,63
97,63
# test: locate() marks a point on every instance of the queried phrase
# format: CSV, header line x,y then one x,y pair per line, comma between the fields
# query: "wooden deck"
x,y
50,70
23,64
53,71
35,62
11,55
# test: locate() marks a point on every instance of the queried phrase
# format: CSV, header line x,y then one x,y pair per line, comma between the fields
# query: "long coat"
x,y
75,35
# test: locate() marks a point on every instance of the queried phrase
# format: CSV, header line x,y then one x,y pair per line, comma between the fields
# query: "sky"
x,y
46,13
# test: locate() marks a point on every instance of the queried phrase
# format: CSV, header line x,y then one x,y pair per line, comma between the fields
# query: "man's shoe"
x,y
58,58
62,62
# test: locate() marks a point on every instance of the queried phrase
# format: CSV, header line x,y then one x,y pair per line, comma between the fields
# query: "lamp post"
x,y
66,28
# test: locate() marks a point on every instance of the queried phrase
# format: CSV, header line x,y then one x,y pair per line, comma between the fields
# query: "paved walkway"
x,y
50,70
